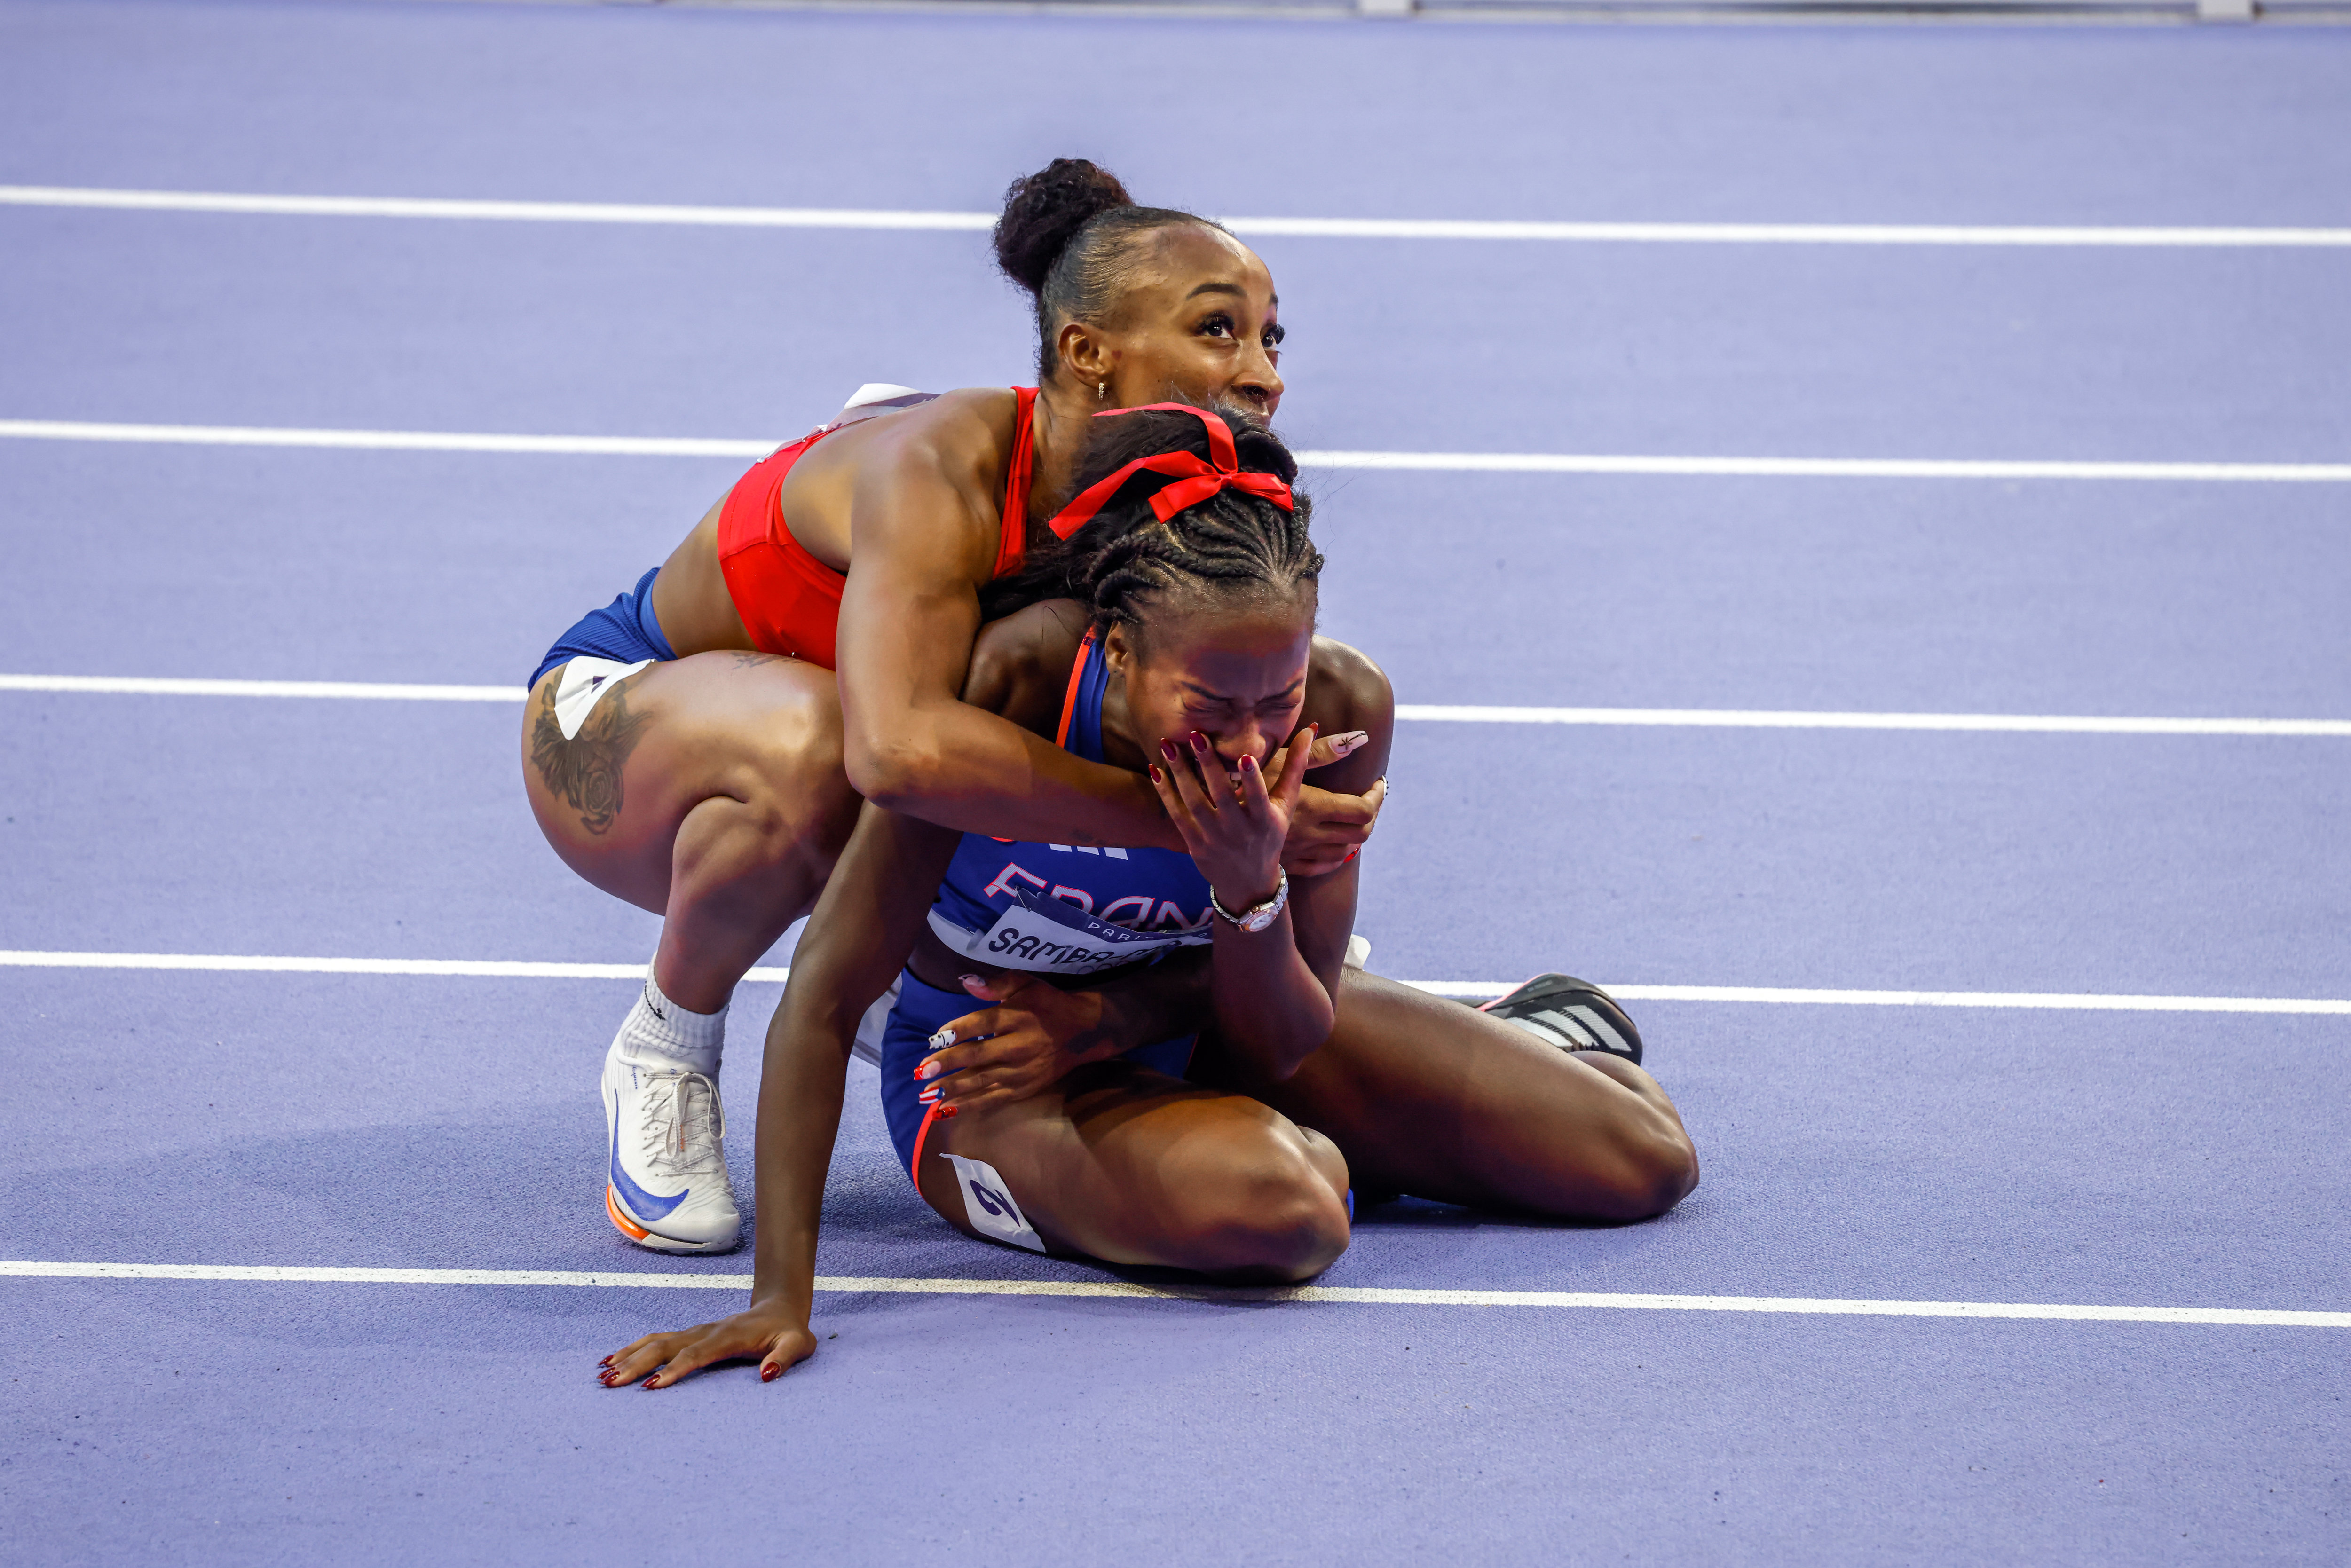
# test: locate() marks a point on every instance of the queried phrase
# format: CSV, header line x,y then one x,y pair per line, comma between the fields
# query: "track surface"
x,y
1888,1154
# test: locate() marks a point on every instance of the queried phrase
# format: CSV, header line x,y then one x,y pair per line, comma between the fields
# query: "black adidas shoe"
x,y
1572,1014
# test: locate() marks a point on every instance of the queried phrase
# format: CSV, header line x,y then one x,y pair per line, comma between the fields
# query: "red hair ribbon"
x,y
1193,481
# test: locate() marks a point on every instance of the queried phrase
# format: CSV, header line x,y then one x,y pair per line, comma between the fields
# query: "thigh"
x,y
1128,1166
754,727
1426,1096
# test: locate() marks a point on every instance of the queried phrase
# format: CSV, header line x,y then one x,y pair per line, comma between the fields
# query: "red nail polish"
x,y
1157,776
1167,750
1248,764
768,1374
1199,741
649,1382
947,1111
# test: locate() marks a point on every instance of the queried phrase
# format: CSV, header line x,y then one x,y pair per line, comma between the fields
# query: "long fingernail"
x,y
941,1041
1345,745
925,1070
1157,776
947,1111
1199,742
1167,750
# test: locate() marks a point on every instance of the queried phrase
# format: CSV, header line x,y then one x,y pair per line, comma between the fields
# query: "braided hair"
x,y
1068,236
1123,561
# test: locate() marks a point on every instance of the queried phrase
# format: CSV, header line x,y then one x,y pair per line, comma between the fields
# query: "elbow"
x,y
1286,1059
896,774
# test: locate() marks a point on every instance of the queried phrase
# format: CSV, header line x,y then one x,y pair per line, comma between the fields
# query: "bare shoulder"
x,y
1345,689
1020,665
963,437
966,434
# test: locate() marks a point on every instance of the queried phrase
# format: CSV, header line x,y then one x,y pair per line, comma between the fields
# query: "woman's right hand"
x,y
776,1336
1235,825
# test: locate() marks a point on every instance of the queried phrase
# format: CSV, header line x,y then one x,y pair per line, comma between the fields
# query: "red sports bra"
x,y
788,600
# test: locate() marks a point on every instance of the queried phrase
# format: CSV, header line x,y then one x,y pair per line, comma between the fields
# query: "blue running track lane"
x,y
1872,1153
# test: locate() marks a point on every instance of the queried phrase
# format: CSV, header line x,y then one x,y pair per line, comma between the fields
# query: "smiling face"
x,y
1196,322
1236,673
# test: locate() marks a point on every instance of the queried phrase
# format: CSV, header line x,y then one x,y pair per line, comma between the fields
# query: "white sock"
x,y
659,1031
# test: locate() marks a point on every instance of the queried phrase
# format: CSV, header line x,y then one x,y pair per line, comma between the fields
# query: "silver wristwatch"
x,y
1256,916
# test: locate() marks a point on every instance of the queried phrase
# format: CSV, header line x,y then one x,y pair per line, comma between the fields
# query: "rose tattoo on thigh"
x,y
585,770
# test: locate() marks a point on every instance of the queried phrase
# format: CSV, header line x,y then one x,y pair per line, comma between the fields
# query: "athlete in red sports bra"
x,y
788,600
715,776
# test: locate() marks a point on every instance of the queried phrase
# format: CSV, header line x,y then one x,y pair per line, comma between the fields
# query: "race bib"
x,y
987,1202
1051,937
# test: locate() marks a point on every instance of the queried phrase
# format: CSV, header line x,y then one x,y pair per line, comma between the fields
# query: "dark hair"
x,y
1125,559
1065,236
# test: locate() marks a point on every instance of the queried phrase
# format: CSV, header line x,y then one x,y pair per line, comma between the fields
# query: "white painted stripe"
x,y
383,440
2062,1001
1998,235
1415,462
2004,234
505,212
1736,719
1694,719
511,969
241,962
1354,1295
176,686
1827,467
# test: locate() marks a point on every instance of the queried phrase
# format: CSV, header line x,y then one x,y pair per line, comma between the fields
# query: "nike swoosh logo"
x,y
642,1203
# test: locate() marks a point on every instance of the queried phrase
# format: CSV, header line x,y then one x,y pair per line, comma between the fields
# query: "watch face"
x,y
1259,919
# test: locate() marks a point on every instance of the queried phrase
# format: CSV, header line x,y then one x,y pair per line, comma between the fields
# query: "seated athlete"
x,y
692,750
1179,1070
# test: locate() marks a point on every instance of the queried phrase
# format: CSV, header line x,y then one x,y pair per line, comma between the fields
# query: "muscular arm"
x,y
1274,992
923,534
856,939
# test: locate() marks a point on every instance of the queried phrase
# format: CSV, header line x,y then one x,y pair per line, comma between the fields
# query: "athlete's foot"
x,y
665,1185
1572,1014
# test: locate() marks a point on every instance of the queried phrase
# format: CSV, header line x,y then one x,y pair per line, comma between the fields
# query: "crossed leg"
x,y
1128,1166
1425,1096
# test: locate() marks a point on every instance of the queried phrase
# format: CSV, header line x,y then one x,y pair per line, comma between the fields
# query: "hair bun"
x,y
1044,211
1258,450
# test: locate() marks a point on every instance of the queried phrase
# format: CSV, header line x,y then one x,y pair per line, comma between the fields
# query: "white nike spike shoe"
x,y
666,1186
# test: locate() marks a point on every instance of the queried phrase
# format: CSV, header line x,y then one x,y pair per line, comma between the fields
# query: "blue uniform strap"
x,y
1080,730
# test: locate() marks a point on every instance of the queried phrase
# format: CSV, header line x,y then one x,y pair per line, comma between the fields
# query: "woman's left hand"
x,y
1235,827
1033,1036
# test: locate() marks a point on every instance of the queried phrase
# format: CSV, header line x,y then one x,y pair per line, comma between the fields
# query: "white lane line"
x,y
507,211
1829,467
2196,237
177,686
1421,462
1767,718
1691,718
2250,1317
477,968
511,969
381,440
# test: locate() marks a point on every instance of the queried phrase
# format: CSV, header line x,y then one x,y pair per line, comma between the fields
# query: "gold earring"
x,y
1101,389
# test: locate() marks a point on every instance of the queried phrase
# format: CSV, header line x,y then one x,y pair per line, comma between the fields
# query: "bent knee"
x,y
1648,1175
1273,1218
